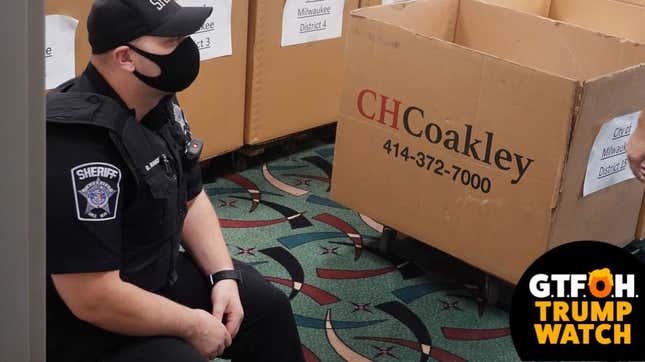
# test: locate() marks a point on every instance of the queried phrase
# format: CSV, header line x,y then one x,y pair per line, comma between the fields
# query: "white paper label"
x,y
387,2
60,34
214,37
305,21
608,163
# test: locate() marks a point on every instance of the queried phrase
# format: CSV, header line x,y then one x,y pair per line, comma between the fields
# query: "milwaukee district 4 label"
x,y
214,37
305,21
608,163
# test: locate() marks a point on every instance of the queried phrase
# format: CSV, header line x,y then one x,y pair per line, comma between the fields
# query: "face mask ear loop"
x,y
137,50
144,54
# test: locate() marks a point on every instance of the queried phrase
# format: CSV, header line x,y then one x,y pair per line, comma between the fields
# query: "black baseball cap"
x,y
113,23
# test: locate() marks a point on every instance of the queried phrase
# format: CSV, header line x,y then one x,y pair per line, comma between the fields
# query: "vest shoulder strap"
x,y
86,108
128,136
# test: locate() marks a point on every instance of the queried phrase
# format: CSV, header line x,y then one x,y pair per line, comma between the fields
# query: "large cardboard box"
x,y
290,88
450,93
214,104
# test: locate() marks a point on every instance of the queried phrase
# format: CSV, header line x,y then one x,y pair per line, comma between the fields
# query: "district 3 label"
x,y
305,21
608,163
214,37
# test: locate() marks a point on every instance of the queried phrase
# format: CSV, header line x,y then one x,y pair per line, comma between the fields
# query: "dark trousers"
x,y
268,331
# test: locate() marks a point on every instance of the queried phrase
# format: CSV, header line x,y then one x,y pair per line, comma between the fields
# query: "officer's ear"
x,y
122,57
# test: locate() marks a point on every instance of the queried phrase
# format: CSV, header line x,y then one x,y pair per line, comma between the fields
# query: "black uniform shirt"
x,y
89,191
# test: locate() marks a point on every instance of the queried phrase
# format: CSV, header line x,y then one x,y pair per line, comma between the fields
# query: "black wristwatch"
x,y
225,274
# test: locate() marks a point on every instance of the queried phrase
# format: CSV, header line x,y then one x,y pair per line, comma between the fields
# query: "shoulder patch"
x,y
96,191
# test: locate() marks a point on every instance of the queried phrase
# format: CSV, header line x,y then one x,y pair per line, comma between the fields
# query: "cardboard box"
x,y
514,99
620,18
291,88
214,104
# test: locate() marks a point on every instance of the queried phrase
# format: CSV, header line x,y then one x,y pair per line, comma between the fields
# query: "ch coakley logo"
x,y
468,140
592,308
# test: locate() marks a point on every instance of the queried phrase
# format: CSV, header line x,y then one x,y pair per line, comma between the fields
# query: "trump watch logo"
x,y
580,301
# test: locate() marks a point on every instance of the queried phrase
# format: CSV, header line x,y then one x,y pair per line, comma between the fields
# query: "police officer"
x,y
124,190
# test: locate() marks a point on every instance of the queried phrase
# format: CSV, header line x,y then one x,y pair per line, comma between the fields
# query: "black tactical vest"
x,y
152,223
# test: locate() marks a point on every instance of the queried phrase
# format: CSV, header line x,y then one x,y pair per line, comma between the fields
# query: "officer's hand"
x,y
227,306
636,151
208,335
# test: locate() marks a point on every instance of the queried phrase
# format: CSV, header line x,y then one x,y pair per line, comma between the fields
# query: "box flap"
x,y
538,7
619,18
611,17
579,218
634,2
435,18
561,48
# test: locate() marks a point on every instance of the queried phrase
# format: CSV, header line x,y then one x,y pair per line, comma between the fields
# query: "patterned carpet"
x,y
350,304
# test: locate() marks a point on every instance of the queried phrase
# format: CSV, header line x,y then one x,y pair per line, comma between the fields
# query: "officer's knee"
x,y
277,299
278,306
272,302
260,296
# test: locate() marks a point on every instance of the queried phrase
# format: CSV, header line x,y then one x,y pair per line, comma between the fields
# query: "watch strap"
x,y
224,275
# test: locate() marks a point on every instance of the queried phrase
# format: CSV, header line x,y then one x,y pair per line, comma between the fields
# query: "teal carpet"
x,y
350,304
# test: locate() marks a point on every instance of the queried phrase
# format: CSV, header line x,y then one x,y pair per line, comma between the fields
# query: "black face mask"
x,y
178,69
